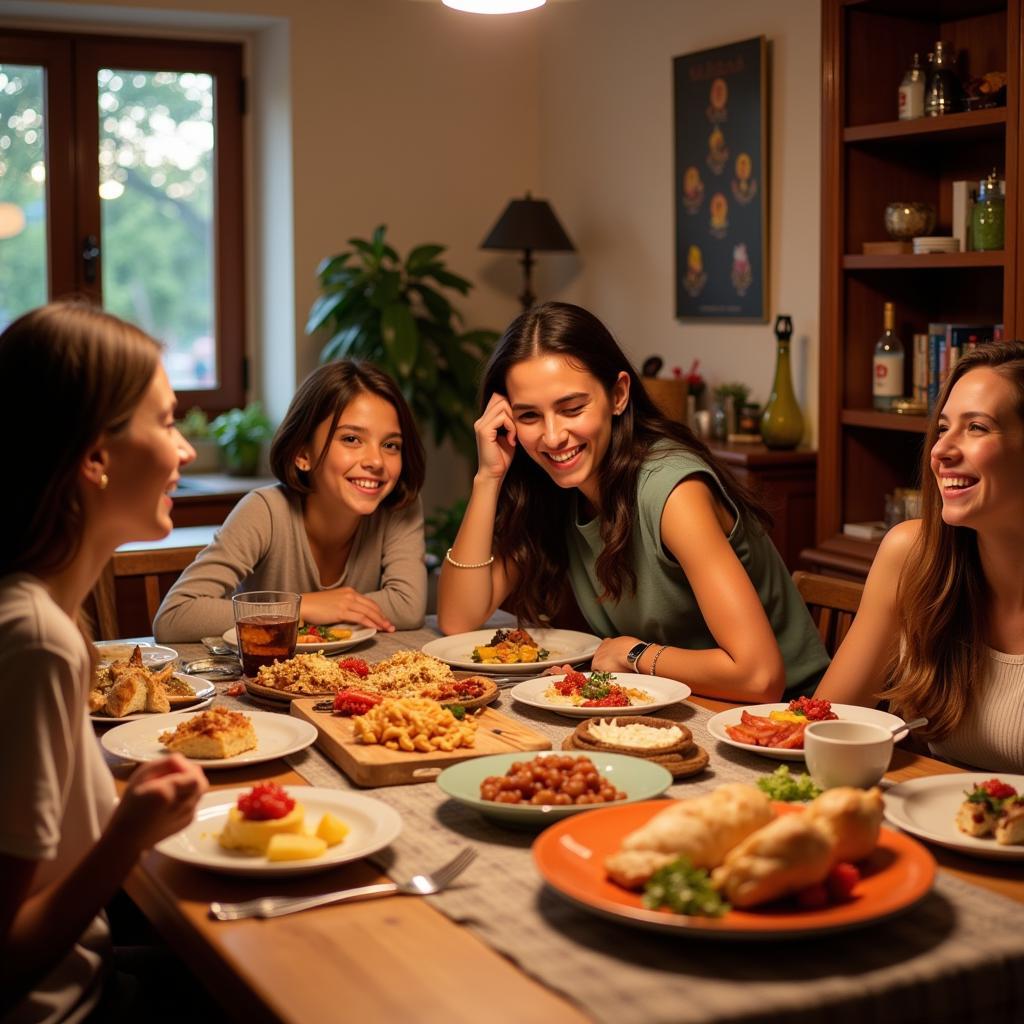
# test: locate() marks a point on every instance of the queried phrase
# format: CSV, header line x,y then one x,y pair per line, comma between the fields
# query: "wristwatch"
x,y
634,654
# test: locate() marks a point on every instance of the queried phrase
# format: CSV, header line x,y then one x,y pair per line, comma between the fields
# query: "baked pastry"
x,y
975,819
788,854
1010,824
127,696
215,733
851,818
703,829
156,697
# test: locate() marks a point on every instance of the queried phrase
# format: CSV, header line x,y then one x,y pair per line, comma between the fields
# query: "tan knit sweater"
x,y
991,735
263,546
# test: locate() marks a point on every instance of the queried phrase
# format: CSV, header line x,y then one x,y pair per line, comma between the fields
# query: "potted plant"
x,y
195,428
394,312
240,434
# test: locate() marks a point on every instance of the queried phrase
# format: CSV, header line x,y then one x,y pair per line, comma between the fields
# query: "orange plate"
x,y
570,856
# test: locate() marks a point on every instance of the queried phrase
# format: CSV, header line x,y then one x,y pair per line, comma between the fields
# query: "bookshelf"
x,y
868,160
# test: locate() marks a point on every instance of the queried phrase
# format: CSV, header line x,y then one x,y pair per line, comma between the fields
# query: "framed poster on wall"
x,y
721,187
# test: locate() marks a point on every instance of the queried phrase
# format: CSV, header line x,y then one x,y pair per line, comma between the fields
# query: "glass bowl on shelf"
x,y
905,220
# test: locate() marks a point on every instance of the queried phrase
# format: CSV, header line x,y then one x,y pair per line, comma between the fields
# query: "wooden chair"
x,y
833,603
156,569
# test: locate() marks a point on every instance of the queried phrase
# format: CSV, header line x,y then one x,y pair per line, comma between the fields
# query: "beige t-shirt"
x,y
58,793
263,546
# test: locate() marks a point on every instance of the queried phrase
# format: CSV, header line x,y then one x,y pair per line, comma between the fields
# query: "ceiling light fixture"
x,y
493,6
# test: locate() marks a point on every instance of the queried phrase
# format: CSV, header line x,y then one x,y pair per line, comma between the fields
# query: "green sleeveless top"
x,y
664,608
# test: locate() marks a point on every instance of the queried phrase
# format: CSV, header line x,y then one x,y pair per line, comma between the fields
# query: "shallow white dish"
x,y
359,635
205,691
153,655
849,712
927,808
372,824
276,735
565,647
663,691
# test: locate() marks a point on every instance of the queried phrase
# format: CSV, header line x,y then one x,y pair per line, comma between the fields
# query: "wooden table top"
x,y
388,959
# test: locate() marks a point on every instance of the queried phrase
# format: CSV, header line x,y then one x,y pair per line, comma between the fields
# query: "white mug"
x,y
841,753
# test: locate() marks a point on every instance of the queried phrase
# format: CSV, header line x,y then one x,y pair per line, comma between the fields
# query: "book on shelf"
x,y
963,203
946,343
873,529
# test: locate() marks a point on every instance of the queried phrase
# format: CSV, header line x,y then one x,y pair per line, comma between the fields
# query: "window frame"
x,y
71,62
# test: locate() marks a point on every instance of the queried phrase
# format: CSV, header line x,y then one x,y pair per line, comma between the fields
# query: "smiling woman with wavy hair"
x,y
584,485
953,581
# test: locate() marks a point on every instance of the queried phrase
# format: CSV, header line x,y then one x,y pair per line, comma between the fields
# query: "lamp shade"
x,y
528,224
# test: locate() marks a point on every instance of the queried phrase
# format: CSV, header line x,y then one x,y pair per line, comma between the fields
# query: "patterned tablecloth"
x,y
958,955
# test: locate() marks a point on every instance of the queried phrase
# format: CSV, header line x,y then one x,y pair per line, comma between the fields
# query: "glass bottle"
x,y
944,94
911,94
887,383
782,423
987,215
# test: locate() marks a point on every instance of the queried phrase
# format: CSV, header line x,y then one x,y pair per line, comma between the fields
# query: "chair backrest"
x,y
147,566
833,603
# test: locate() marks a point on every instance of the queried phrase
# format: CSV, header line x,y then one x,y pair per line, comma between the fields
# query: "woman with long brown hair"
x,y
582,480
97,472
953,581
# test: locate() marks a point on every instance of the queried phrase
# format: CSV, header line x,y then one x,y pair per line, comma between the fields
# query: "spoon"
x,y
216,645
914,723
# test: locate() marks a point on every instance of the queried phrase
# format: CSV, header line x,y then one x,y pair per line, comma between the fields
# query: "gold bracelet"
x,y
654,664
466,565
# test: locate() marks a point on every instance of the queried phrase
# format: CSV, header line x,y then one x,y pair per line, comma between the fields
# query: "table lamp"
x,y
531,225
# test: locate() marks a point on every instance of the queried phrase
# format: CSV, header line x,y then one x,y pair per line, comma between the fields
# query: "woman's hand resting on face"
x,y
495,438
343,604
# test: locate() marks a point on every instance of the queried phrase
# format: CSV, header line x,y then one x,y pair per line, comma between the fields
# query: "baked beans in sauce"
x,y
550,779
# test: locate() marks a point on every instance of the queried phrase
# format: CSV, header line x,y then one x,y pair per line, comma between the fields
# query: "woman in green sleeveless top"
x,y
582,480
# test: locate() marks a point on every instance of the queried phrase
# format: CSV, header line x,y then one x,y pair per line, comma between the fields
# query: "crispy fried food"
x,y
414,724
125,687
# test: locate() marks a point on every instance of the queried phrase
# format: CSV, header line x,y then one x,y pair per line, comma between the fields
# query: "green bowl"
x,y
639,778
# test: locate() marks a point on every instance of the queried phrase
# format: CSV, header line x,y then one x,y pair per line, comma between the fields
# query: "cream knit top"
x,y
990,737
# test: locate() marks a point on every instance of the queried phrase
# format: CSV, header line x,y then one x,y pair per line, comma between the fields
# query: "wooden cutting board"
x,y
375,765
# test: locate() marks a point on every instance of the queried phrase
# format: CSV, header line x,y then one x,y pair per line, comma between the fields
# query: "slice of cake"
x,y
216,733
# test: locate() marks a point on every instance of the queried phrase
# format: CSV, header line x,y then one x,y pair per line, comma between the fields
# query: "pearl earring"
x,y
104,480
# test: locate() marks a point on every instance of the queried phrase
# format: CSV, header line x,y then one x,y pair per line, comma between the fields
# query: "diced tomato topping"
x,y
813,709
355,702
842,880
615,698
266,801
356,665
997,789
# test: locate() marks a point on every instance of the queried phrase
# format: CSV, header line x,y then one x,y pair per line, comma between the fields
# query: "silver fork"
x,y
278,906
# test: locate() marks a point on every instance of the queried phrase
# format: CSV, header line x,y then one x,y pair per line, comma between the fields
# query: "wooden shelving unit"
x,y
868,160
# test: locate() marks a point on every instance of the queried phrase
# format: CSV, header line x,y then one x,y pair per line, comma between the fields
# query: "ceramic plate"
x,y
204,695
663,692
570,856
373,825
276,735
564,646
359,635
927,808
639,779
849,712
153,655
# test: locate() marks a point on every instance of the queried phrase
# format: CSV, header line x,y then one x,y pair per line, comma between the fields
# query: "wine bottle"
x,y
888,363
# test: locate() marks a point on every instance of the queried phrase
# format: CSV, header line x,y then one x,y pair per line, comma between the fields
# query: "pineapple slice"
x,y
332,830
289,846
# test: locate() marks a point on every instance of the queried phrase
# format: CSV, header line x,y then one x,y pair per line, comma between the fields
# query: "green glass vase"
x,y
782,423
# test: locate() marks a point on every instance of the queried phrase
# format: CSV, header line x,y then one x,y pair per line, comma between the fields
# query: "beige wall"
x,y
427,119
607,166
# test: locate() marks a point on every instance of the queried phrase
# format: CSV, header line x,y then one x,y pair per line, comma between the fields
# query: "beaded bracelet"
x,y
654,663
466,565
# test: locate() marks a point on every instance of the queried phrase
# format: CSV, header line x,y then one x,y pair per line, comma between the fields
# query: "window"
x,y
121,180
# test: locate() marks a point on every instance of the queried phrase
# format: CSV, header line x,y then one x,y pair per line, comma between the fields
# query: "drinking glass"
x,y
266,624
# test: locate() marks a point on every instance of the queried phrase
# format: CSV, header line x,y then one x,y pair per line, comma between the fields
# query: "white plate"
x,y
205,691
359,634
565,647
373,825
153,655
664,692
276,735
848,712
927,808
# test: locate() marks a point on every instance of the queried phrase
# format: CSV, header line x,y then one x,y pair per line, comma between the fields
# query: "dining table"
x,y
499,945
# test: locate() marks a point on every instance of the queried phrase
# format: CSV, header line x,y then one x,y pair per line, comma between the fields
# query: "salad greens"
x,y
683,889
781,785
